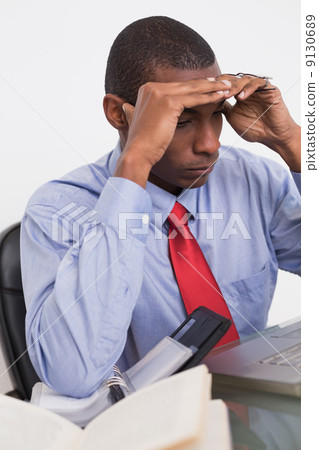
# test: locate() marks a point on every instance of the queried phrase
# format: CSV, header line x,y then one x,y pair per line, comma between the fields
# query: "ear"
x,y
112,105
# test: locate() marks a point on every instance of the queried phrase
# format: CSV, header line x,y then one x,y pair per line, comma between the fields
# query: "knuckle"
x,y
169,102
151,89
150,86
145,88
194,83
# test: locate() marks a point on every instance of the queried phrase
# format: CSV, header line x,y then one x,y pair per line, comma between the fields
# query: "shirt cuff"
x,y
126,206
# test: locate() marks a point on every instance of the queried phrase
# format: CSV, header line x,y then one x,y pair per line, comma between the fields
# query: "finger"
x,y
205,86
191,101
128,111
197,86
252,86
243,87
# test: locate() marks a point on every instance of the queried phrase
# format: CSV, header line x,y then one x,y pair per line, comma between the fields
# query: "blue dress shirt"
x,y
97,278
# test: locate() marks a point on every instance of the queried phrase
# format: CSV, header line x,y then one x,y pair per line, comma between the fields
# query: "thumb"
x,y
128,111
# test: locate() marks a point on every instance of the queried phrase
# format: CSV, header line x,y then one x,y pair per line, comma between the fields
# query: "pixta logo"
x,y
74,225
138,224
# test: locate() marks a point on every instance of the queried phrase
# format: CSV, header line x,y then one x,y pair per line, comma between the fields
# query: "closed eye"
x,y
182,123
220,108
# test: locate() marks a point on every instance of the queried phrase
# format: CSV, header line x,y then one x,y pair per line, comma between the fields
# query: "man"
x,y
101,289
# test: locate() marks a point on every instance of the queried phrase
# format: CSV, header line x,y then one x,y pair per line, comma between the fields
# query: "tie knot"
x,y
178,217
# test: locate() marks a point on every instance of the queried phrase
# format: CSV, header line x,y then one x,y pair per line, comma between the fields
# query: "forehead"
x,y
168,74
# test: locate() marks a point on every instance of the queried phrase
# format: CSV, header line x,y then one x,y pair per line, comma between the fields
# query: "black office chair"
x,y
12,315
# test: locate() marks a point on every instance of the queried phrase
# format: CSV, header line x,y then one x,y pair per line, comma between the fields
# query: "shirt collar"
x,y
163,202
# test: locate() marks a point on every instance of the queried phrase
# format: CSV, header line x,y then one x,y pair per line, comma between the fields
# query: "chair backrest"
x,y
12,314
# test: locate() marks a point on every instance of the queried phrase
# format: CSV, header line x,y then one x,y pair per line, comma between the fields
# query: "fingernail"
x,y
228,83
123,107
241,95
211,79
220,92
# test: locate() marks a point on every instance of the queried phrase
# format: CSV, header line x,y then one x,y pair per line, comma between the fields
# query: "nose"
x,y
206,140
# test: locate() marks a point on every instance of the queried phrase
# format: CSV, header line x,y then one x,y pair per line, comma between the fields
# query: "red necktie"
x,y
196,282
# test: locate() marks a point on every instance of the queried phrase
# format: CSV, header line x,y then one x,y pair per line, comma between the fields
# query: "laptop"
x,y
269,361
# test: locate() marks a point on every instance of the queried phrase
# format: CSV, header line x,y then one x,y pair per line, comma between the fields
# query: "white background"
x,y
52,64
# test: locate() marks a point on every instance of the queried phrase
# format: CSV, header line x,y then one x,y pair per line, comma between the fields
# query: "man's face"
x,y
194,147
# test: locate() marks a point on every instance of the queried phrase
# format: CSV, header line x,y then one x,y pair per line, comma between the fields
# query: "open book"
x,y
160,362
175,412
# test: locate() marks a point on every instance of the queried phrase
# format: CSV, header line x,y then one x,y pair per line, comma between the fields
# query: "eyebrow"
x,y
193,111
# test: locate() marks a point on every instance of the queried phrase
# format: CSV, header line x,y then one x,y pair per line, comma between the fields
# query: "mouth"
x,y
198,171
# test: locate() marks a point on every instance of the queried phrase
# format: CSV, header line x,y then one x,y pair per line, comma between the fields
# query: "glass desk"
x,y
259,420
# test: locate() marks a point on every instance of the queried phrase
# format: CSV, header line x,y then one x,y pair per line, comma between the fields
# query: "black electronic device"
x,y
202,330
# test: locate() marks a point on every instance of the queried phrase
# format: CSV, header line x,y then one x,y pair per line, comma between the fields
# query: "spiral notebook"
x,y
162,361
184,349
172,413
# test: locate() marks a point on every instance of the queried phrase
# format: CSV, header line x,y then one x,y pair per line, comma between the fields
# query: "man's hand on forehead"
x,y
260,115
150,125
197,92
243,85
159,106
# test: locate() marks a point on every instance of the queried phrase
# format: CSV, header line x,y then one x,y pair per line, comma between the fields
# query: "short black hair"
x,y
150,43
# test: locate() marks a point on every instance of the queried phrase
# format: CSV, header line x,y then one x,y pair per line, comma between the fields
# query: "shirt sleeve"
x,y
297,179
285,226
82,275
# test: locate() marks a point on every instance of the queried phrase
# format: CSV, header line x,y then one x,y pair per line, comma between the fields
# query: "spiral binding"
x,y
115,383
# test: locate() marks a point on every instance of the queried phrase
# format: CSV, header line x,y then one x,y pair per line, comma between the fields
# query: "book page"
x,y
217,432
26,427
168,414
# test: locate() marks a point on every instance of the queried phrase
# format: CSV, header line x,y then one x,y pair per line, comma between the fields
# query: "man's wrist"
x,y
290,151
133,168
